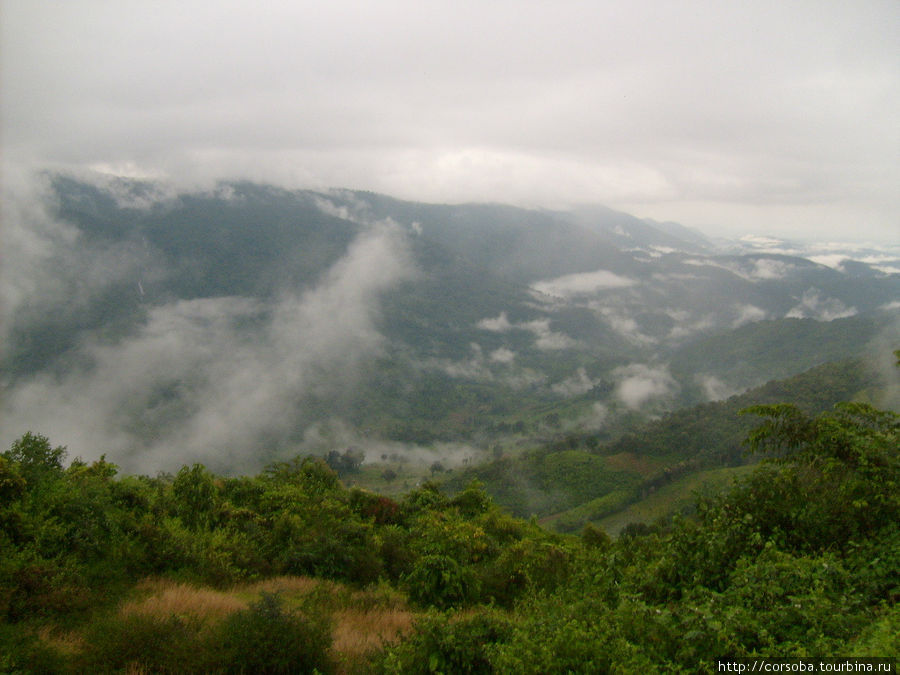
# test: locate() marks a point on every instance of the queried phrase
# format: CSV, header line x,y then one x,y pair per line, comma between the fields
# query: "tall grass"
x,y
180,599
357,632
168,625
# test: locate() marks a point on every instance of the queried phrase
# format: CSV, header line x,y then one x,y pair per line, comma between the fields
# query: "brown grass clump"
x,y
357,632
363,621
170,598
285,584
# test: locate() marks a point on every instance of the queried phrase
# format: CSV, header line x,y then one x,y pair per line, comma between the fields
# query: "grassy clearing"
x,y
678,495
363,621
163,598
359,632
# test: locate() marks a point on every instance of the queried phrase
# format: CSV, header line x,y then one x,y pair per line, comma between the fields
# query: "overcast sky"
x,y
773,117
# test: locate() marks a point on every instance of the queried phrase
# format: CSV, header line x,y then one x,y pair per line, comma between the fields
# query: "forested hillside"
x,y
582,477
246,323
290,571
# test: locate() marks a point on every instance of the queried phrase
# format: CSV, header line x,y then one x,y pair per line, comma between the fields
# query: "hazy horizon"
x,y
741,118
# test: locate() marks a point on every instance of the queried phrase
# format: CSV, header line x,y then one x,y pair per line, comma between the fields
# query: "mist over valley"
x,y
247,323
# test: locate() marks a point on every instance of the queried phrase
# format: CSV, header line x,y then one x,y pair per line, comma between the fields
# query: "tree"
x,y
36,458
195,496
347,462
12,485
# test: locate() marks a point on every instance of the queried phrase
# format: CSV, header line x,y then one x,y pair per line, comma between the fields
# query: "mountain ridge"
x,y
349,318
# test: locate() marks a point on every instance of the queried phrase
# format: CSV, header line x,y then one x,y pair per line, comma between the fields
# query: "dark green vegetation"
x,y
800,557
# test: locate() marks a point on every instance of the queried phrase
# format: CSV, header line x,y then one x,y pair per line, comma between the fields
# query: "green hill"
x,y
592,479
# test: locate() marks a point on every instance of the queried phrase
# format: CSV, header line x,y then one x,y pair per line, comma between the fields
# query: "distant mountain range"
x,y
245,323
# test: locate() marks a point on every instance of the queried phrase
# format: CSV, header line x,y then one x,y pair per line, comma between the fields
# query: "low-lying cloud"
x,y
813,305
545,338
714,388
498,366
49,270
575,385
638,383
585,283
211,379
747,314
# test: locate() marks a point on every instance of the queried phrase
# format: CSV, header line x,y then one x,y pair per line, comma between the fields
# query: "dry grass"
x,y
167,598
357,632
364,621
286,585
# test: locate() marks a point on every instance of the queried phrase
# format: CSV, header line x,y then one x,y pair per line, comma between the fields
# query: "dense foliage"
x,y
802,558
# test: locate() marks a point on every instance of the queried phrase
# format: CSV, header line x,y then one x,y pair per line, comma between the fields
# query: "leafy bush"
x,y
171,644
395,551
446,644
440,581
472,501
22,652
882,636
558,635
526,566
268,639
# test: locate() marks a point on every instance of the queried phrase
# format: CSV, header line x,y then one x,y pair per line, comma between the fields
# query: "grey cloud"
x,y
596,418
575,385
813,305
714,388
639,383
323,436
622,321
473,368
499,324
477,367
713,114
545,338
748,314
585,283
49,269
503,355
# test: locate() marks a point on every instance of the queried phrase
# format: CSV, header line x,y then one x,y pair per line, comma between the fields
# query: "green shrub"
x,y
594,537
440,581
395,552
22,652
557,635
444,644
171,644
472,501
881,638
268,639
527,565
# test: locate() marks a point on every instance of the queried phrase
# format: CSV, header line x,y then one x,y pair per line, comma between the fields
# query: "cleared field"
x,y
672,498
